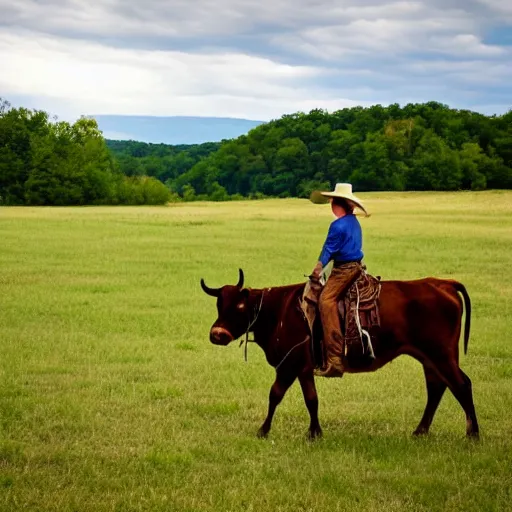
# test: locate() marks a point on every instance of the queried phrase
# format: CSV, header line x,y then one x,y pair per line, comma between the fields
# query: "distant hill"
x,y
173,130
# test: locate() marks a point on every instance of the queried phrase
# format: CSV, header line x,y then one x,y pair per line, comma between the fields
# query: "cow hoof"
x,y
474,436
420,432
262,434
315,434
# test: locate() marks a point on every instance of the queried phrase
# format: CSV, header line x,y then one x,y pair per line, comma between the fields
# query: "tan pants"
x,y
337,285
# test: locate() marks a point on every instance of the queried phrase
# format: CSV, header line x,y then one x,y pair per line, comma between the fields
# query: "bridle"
x,y
257,312
250,324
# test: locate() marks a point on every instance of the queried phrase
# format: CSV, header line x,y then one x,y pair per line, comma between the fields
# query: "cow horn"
x,y
214,292
240,283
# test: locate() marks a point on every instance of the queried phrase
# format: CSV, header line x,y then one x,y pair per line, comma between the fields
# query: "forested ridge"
x,y
416,147
162,161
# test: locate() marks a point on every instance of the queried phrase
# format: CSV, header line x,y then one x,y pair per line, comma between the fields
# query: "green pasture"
x,y
113,399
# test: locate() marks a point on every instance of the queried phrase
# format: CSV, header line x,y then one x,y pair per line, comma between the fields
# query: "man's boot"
x,y
334,366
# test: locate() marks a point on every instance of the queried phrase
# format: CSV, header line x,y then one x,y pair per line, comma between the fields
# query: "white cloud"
x,y
429,30
100,79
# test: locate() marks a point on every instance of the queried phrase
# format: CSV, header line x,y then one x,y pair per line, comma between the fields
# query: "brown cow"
x,y
420,318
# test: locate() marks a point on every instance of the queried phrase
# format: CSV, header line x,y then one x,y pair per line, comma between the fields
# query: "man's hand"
x,y
317,271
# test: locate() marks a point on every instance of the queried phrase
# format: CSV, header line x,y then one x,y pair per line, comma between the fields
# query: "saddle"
x,y
359,318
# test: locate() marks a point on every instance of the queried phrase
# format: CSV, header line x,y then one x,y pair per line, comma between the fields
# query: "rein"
x,y
291,350
257,314
246,340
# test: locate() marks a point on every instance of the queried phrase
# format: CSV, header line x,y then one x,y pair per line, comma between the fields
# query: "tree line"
x,y
45,162
416,147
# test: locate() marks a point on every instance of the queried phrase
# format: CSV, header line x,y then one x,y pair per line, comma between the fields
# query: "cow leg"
x,y
277,392
472,429
460,385
307,383
435,390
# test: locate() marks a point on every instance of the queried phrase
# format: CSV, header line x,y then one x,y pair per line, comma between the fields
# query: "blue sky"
x,y
255,59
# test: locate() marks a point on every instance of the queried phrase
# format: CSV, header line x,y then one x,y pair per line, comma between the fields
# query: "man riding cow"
x,y
343,246
421,318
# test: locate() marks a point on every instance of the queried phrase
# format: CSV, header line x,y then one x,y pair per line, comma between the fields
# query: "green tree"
x,y
218,193
291,165
70,166
18,128
189,194
155,192
376,170
434,165
472,163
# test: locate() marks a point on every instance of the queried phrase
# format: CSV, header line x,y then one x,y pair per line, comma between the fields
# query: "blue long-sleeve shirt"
x,y
344,241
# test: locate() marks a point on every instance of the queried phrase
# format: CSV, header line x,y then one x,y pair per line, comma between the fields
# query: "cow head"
x,y
233,310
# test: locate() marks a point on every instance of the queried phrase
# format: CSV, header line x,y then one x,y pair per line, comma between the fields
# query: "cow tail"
x,y
467,304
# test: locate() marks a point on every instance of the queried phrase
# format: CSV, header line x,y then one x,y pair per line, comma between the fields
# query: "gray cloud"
x,y
253,58
200,18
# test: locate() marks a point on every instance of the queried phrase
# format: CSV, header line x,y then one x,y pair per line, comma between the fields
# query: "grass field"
x,y
112,397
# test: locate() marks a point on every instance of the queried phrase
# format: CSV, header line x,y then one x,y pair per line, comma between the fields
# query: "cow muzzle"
x,y
220,336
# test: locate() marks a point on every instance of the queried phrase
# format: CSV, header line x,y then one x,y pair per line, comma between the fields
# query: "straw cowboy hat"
x,y
342,190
